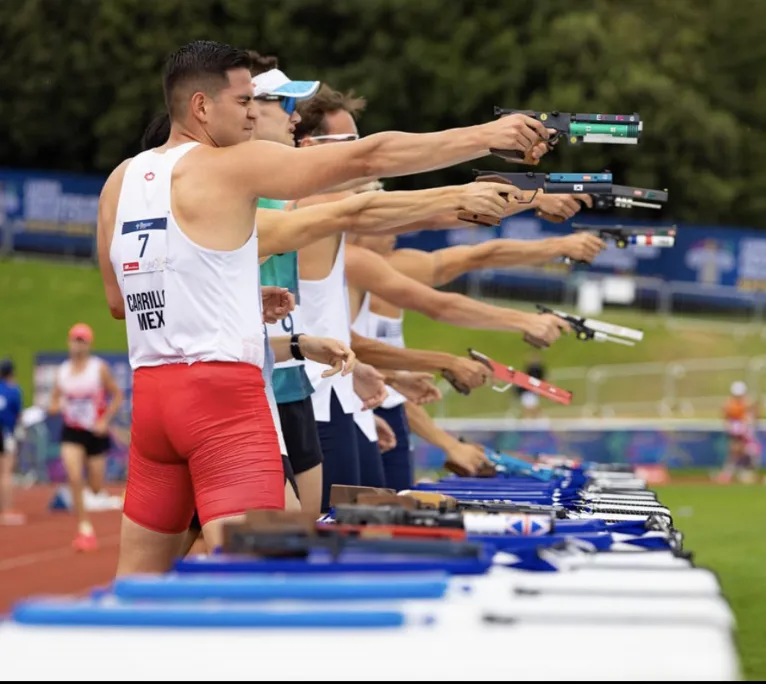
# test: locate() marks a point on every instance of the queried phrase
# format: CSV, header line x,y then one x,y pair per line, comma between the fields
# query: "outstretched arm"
x,y
370,272
470,373
280,231
449,219
265,169
444,265
467,457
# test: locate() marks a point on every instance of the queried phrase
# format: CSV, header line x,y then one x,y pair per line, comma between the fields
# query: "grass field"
x,y
40,300
723,526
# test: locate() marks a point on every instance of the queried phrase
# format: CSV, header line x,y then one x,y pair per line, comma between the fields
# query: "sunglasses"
x,y
288,103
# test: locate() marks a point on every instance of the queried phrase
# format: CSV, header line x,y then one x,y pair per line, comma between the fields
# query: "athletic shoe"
x,y
85,542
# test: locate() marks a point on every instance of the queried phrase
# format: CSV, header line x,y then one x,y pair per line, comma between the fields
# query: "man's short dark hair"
x,y
200,66
260,64
156,133
327,101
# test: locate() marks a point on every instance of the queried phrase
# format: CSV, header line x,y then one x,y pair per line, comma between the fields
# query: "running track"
x,y
37,558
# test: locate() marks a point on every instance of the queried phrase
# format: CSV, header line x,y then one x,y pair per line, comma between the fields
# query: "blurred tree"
x,y
81,79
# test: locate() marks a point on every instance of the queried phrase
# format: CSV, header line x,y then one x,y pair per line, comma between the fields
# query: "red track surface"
x,y
37,558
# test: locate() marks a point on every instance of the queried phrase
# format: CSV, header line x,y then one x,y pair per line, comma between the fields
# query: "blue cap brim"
x,y
297,89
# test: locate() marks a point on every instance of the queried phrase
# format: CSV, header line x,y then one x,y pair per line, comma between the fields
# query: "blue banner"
x,y
674,448
56,213
49,213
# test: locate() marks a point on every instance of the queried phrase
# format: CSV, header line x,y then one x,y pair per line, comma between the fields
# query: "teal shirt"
x,y
290,383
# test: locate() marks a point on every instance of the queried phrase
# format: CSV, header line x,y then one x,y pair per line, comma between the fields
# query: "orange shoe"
x,y
85,542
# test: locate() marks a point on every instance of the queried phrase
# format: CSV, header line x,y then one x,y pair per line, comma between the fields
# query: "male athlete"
x,y
279,232
188,266
369,274
79,394
433,269
276,97
329,118
11,403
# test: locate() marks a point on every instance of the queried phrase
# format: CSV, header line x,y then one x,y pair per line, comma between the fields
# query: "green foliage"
x,y
80,79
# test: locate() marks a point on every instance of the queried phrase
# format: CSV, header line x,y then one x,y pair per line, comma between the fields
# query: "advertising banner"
x,y
49,213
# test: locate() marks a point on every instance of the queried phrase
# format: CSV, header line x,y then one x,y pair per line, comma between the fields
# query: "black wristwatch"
x,y
295,347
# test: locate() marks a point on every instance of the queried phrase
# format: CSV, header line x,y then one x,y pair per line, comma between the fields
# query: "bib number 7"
x,y
144,246
143,238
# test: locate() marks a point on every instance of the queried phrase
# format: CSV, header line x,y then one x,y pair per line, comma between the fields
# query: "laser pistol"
x,y
549,183
622,129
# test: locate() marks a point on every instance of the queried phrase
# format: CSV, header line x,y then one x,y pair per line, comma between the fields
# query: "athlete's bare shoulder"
x,y
110,194
115,178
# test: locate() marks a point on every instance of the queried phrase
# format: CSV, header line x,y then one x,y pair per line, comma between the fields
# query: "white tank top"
x,y
326,314
83,394
390,331
183,303
364,419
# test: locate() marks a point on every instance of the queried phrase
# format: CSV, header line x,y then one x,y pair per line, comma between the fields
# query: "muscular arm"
x,y
386,357
372,273
114,392
107,216
444,265
266,169
280,231
448,219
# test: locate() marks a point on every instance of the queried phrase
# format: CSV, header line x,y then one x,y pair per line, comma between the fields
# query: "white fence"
x,y
681,389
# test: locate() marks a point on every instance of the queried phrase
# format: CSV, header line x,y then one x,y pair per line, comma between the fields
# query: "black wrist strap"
x,y
295,347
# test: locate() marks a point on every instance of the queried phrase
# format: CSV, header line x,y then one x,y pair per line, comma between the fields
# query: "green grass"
x,y
40,300
723,526
687,339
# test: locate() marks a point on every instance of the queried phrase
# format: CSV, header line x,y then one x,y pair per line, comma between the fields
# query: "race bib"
x,y
143,246
143,250
292,324
80,411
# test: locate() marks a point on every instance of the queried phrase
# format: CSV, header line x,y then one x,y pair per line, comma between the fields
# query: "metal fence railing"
x,y
681,389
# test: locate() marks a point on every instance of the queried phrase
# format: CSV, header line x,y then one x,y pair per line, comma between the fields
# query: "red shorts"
x,y
202,432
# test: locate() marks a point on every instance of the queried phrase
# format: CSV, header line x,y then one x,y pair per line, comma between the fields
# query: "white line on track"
x,y
54,554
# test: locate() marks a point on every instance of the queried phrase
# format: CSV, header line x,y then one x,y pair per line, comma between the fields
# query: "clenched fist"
x,y
559,208
520,133
542,330
582,246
